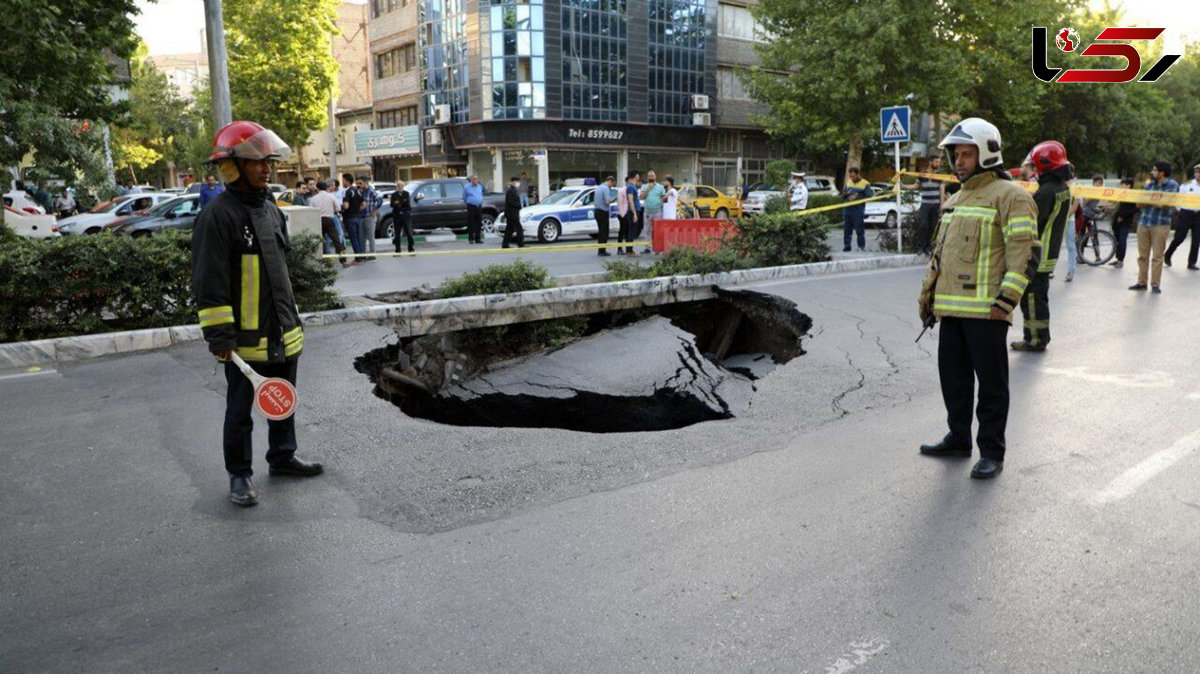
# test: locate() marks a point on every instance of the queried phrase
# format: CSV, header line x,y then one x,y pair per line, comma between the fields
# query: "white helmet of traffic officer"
x,y
980,133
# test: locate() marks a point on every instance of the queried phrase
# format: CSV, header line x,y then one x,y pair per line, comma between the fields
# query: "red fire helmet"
x,y
1047,156
247,140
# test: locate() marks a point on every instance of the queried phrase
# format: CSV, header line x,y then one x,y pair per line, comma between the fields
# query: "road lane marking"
x,y
1148,379
1131,480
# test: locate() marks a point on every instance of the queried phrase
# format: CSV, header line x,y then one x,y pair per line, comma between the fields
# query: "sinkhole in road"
x,y
621,371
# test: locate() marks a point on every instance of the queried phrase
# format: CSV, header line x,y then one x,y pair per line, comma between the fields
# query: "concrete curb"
x,y
583,295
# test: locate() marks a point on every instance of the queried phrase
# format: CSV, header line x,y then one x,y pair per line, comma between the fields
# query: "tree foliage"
x,y
281,65
161,126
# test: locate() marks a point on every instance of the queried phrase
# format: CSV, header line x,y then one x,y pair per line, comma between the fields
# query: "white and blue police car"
x,y
567,212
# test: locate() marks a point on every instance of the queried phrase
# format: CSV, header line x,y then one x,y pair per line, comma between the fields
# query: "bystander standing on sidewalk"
x,y
326,203
210,190
854,217
1154,226
930,190
671,202
402,216
371,204
353,204
1123,221
600,205
473,198
1069,240
627,211
300,196
652,202
523,189
513,230
1187,221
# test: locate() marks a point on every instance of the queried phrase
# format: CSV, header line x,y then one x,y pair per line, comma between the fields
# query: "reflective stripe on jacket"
x,y
1053,201
240,281
987,250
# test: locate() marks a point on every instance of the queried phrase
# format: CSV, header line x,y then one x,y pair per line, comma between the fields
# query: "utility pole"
x,y
218,75
333,139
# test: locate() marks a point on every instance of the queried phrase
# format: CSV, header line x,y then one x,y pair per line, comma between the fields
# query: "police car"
x,y
567,212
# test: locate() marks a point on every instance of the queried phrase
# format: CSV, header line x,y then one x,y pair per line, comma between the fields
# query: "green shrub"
x,y
512,277
778,239
81,285
887,237
779,172
623,270
777,204
686,261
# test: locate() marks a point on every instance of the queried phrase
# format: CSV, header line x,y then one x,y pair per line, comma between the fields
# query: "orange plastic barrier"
x,y
702,233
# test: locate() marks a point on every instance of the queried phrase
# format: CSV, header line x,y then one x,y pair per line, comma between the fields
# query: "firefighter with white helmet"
x,y
240,281
986,252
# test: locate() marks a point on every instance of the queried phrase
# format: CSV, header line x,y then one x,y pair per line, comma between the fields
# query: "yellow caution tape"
x,y
834,207
1114,194
488,251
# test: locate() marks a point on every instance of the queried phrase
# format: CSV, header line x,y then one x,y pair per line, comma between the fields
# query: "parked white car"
x,y
20,201
567,212
756,200
30,225
93,222
884,211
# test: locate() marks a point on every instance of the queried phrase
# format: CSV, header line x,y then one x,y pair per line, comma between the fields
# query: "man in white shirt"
x,y
1188,221
798,192
328,205
64,205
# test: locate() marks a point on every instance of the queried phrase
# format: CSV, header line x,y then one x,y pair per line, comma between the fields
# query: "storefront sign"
x,y
543,133
396,141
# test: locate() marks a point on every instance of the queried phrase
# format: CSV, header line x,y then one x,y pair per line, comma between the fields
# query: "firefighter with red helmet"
x,y
1053,199
245,300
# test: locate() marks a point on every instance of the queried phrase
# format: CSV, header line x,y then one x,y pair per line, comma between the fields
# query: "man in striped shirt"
x,y
931,206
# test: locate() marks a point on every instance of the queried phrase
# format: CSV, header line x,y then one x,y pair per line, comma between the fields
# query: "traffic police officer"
x,y
241,285
986,253
1053,200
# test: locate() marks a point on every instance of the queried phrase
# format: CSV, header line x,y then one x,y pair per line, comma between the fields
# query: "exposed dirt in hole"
x,y
637,370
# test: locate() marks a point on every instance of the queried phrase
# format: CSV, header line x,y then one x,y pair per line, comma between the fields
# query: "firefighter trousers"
x,y
970,349
239,426
1035,308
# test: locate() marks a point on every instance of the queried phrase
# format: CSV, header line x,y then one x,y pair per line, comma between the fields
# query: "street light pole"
x,y
218,74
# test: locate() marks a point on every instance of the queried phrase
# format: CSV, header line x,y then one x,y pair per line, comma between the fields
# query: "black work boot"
x,y
986,469
949,446
241,491
1026,346
296,467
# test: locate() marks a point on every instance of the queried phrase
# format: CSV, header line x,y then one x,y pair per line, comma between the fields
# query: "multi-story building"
x,y
564,89
184,71
351,109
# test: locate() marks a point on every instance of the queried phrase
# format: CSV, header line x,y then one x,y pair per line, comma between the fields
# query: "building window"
x,y
677,45
392,118
402,59
443,43
594,60
737,22
381,7
729,85
514,59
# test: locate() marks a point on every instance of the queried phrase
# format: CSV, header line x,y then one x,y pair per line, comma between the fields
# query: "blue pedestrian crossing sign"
x,y
893,124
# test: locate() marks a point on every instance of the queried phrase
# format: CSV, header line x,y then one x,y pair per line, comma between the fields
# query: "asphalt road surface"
x,y
804,536
391,274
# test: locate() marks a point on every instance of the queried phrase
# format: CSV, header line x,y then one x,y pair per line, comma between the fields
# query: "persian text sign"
x,y
396,141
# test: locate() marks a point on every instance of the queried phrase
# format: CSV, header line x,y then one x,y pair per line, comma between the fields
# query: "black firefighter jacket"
x,y
240,279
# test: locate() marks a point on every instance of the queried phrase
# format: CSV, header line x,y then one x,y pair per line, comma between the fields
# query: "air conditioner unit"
x,y
441,114
699,102
701,119
433,137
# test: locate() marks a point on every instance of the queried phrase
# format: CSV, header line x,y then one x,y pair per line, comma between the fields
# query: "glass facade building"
x,y
514,62
678,36
444,59
595,60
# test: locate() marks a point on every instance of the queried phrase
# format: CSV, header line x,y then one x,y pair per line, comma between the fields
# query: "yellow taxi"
x,y
285,198
709,202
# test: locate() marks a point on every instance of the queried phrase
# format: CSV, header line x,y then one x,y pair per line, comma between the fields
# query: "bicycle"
x,y
1095,246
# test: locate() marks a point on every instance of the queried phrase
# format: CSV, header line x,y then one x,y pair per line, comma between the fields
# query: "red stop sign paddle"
x,y
274,398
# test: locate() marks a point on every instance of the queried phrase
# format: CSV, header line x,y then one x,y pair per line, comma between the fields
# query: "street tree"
x,y
281,65
58,62
826,71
